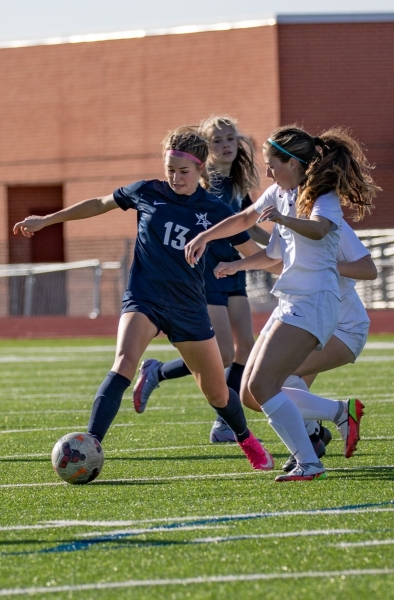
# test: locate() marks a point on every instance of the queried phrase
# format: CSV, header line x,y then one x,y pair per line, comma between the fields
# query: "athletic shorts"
x,y
317,313
178,325
355,338
353,323
221,298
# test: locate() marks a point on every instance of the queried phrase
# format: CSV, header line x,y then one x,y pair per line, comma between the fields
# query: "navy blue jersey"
x,y
220,250
167,222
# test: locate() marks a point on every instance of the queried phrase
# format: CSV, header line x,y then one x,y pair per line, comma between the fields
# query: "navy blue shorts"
x,y
221,298
178,325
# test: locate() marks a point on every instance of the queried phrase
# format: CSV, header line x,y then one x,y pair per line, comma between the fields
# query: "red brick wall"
x,y
91,116
343,74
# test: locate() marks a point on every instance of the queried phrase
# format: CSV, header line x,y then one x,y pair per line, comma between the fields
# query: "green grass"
x,y
189,509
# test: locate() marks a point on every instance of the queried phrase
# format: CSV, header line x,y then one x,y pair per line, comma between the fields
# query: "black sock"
x,y
314,438
106,404
234,375
173,369
234,416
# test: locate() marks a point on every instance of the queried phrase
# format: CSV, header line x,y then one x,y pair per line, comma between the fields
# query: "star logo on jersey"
x,y
202,220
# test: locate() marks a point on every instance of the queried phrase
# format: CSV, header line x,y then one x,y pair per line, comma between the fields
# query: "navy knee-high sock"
x,y
106,404
234,416
234,375
173,369
233,379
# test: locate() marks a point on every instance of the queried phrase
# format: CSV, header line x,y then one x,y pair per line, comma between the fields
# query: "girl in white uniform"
x,y
351,332
326,172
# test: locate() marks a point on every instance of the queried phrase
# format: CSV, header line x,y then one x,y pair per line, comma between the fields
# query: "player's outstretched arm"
x,y
315,228
257,261
227,228
364,269
83,210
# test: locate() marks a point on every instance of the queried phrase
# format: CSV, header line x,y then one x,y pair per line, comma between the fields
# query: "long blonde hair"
x,y
243,172
333,161
187,139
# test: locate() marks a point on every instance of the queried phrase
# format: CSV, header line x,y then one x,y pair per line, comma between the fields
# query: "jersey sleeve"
x,y
129,196
350,247
328,206
267,199
239,238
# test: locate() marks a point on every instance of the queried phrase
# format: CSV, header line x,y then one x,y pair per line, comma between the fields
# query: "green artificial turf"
x,y
186,518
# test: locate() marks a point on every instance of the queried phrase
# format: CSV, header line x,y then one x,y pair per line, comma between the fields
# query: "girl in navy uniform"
x,y
164,293
233,174
324,172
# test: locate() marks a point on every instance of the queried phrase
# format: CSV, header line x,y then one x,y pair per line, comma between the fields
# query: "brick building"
x,y
82,116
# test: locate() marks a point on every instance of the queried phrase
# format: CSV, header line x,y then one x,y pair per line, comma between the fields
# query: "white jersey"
x,y
309,266
352,312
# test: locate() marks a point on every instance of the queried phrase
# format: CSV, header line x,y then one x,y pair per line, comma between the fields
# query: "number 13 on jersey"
x,y
179,240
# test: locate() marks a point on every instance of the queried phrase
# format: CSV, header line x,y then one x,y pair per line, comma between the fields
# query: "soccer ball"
x,y
77,458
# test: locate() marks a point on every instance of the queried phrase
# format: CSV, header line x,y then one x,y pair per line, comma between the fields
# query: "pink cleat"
x,y
256,454
349,425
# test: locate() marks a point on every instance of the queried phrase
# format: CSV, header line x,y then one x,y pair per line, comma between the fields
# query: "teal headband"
x,y
285,151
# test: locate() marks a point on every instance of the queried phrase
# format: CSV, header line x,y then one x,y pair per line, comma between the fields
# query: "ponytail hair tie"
x,y
318,142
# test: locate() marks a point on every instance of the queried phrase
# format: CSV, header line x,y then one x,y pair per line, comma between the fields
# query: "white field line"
x,y
230,517
55,359
375,358
137,480
141,424
227,538
162,529
363,544
175,408
67,427
86,349
151,348
261,536
131,531
38,355
379,346
20,413
134,424
133,583
126,451
175,448
182,520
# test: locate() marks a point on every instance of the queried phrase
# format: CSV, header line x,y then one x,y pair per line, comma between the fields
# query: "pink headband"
x,y
181,154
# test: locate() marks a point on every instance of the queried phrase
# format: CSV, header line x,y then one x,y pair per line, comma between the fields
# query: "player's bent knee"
x,y
126,366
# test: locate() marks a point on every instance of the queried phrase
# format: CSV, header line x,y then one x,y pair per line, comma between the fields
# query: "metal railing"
x,y
56,288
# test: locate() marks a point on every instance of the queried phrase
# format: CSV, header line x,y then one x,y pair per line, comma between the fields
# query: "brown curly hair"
x,y
243,172
333,161
186,139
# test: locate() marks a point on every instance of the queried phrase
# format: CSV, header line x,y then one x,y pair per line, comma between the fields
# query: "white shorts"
x,y
317,313
354,339
353,323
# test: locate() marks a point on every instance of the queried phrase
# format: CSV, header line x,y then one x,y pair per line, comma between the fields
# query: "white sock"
x,y
286,420
297,382
312,406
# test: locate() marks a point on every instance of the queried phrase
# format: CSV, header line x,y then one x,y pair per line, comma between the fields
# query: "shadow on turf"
x,y
78,545
381,473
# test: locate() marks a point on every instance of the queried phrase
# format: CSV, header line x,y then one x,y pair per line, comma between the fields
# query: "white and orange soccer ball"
x,y
77,458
